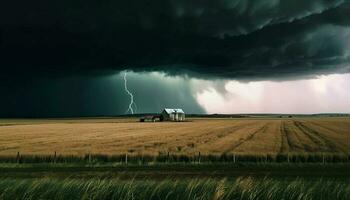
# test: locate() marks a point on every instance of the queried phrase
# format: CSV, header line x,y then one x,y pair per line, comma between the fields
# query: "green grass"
x,y
180,158
178,171
174,181
239,188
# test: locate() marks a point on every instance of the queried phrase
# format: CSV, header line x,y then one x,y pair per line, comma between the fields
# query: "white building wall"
x,y
173,116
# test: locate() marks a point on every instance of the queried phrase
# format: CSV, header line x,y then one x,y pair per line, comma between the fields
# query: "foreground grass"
x,y
239,188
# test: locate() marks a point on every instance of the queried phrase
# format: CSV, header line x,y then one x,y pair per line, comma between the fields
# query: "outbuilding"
x,y
150,118
172,114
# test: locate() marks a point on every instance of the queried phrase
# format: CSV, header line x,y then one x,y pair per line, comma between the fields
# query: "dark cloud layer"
x,y
222,38
57,56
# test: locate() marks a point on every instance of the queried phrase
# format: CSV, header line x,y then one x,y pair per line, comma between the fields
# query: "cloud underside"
x,y
222,38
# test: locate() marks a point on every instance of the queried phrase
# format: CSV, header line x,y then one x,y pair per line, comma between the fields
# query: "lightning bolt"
x,y
132,103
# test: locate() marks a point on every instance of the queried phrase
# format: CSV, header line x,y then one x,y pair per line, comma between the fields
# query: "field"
x,y
208,136
121,158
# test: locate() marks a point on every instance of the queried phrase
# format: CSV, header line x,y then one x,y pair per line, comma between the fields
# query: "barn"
x,y
171,114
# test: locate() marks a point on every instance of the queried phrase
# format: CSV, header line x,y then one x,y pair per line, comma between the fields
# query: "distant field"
x,y
208,136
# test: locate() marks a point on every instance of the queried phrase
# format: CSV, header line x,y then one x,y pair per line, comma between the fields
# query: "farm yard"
x,y
208,136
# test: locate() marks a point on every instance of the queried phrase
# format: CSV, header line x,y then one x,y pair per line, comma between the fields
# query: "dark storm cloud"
x,y
222,38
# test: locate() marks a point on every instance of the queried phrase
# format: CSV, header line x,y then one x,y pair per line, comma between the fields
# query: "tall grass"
x,y
201,189
179,158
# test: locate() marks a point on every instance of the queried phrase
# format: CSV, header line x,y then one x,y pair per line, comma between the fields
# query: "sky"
x,y
68,58
322,94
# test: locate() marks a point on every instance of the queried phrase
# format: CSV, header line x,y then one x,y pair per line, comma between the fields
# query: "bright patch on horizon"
x,y
324,94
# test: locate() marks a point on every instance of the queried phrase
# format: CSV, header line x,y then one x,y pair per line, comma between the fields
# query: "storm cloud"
x,y
243,39
64,57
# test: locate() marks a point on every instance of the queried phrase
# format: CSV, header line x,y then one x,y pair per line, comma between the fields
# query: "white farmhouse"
x,y
171,114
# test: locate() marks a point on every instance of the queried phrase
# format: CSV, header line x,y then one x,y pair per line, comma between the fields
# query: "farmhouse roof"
x,y
174,110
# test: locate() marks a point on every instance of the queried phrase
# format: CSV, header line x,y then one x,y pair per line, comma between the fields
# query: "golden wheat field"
x,y
116,136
